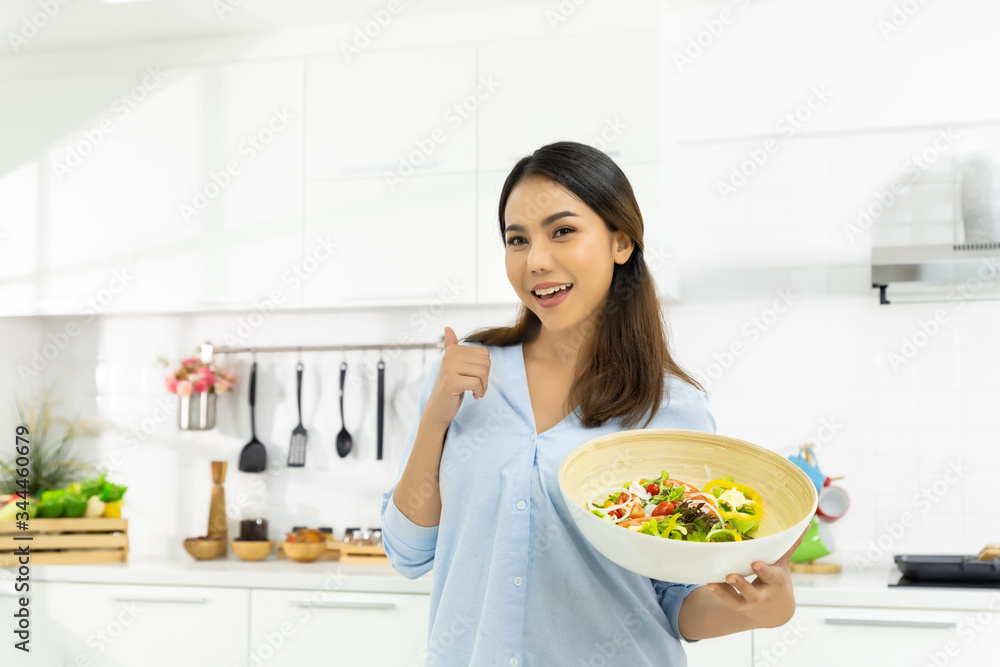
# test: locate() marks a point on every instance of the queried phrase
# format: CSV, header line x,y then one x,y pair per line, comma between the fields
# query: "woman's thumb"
x,y
449,337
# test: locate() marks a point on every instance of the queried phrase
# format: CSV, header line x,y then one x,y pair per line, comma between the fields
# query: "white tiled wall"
x,y
822,369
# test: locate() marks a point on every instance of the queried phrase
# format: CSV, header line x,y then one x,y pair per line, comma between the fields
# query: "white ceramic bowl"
x,y
789,500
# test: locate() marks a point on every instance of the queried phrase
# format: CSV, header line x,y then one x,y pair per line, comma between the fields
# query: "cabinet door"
x,y
216,165
47,638
414,244
63,235
293,628
837,636
115,625
600,91
392,111
729,651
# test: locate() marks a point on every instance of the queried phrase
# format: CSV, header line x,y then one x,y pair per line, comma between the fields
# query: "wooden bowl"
x,y
696,457
205,549
252,549
304,552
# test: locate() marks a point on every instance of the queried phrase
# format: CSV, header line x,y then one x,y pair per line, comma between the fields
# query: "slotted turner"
x,y
297,447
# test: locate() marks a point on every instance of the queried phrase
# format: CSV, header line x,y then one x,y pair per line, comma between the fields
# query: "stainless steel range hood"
x,y
965,269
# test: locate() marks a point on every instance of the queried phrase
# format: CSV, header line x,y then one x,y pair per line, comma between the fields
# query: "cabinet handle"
x,y
890,624
346,605
183,600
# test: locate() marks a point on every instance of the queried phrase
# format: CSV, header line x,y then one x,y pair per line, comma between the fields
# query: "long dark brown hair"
x,y
624,374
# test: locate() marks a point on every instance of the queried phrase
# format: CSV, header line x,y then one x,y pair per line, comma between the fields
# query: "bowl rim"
x,y
793,469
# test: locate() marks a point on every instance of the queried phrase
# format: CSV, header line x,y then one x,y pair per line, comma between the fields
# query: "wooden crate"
x,y
66,541
352,553
348,553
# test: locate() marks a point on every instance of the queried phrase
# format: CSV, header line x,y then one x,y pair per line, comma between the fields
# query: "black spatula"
x,y
253,457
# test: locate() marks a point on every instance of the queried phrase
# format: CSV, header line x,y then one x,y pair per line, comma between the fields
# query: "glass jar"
x,y
375,538
351,534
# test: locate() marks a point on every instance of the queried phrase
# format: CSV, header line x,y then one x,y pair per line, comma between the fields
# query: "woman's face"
x,y
553,237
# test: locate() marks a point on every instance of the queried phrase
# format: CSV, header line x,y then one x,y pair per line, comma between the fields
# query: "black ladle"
x,y
253,457
344,442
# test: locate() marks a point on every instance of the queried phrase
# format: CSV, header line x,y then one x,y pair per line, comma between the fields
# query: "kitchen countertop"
x,y
851,588
231,572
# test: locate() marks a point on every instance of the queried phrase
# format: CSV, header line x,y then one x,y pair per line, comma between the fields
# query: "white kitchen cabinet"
x,y
393,111
651,189
214,165
836,636
47,637
291,628
599,90
414,244
115,625
61,238
728,651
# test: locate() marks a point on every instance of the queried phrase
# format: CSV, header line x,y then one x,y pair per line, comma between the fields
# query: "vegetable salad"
x,y
724,511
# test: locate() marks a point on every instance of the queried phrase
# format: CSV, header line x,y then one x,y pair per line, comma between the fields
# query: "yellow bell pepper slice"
x,y
747,516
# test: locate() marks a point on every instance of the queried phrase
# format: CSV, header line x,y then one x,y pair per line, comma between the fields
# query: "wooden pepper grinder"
x,y
217,520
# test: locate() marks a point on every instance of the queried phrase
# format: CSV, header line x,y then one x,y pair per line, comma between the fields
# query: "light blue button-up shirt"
x,y
515,583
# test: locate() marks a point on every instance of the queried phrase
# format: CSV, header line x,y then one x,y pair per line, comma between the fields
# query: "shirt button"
x,y
532,437
521,504
518,581
513,662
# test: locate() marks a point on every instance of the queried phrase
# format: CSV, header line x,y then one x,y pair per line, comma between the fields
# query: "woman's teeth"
x,y
552,290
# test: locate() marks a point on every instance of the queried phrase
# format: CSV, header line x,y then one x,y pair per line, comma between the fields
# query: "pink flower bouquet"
x,y
196,377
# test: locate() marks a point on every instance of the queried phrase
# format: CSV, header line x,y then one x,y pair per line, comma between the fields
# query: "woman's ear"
x,y
623,247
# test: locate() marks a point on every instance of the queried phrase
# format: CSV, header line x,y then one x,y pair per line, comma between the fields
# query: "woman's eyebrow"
x,y
546,222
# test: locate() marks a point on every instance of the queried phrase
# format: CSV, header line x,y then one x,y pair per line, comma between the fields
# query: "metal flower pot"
x,y
196,412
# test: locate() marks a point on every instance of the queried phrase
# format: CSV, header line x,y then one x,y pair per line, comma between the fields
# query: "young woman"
x,y
515,583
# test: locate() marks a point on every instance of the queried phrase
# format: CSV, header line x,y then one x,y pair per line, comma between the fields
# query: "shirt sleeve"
x,y
671,597
409,547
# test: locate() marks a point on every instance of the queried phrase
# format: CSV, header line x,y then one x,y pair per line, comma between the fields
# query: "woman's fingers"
x,y
746,589
730,597
769,574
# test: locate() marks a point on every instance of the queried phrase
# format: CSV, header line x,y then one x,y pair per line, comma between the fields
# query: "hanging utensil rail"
x,y
207,350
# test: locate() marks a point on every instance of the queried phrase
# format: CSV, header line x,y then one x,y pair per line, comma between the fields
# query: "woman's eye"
x,y
511,240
